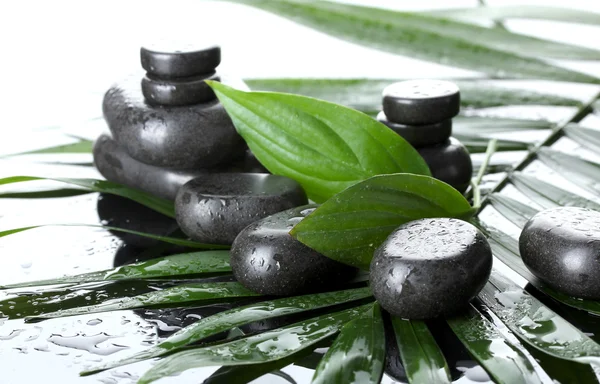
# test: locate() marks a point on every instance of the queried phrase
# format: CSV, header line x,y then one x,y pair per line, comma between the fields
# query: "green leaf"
x,y
323,146
181,294
539,12
49,193
479,144
515,211
586,137
82,146
352,224
584,173
434,39
166,239
357,354
474,126
421,357
503,361
265,347
186,264
223,321
163,206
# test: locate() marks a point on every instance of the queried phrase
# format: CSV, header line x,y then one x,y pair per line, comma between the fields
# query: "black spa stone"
x,y
186,91
449,162
267,260
184,61
184,137
420,135
214,208
421,102
430,267
561,246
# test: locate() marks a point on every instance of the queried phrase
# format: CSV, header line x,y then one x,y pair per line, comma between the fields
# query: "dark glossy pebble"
x,y
421,102
184,137
120,212
420,135
561,246
191,90
186,61
430,267
267,260
214,208
449,162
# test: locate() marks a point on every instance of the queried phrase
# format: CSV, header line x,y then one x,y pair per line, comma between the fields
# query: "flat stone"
x,y
561,246
183,61
449,162
186,91
266,259
420,135
214,208
430,267
421,102
184,137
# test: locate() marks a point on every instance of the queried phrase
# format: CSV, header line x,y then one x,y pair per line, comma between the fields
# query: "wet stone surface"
x,y
266,259
430,267
186,91
561,246
420,135
184,61
214,208
449,162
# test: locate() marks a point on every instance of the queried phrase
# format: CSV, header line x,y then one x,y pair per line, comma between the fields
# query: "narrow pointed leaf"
x,y
170,296
49,193
479,144
166,239
82,146
473,125
433,39
265,347
502,360
163,206
223,321
357,354
352,224
421,357
586,137
186,264
323,146
515,211
585,173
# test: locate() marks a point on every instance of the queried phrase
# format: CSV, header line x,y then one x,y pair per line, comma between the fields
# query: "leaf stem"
x,y
491,149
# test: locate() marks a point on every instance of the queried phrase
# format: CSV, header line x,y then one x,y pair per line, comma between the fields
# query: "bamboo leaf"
x,y
429,38
502,360
352,224
474,126
421,357
49,193
323,146
186,264
265,347
223,321
170,296
357,354
584,173
586,137
158,204
515,211
479,144
81,146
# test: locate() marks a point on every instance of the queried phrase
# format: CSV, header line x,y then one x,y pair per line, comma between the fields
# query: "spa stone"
x,y
266,259
420,135
449,162
430,267
185,61
191,90
214,208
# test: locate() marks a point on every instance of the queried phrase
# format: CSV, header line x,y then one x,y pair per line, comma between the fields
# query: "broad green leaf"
x,y
357,354
163,206
352,224
584,173
166,239
323,146
434,39
223,321
82,146
421,357
515,211
548,195
173,296
539,12
49,193
265,347
586,137
503,361
186,264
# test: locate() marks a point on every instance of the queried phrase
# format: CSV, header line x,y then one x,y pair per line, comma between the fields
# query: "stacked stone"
x,y
421,111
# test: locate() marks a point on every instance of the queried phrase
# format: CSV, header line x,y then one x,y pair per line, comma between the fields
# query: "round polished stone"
x,y
266,259
421,102
191,90
214,208
449,162
171,61
184,137
420,135
430,267
561,246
